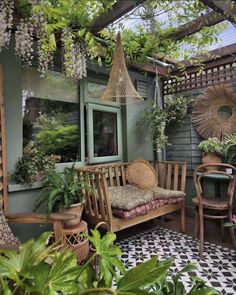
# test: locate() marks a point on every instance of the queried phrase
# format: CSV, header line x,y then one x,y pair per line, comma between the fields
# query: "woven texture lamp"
x,y
120,88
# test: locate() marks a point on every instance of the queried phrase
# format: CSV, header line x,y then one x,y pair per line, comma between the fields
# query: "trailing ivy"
x,y
156,120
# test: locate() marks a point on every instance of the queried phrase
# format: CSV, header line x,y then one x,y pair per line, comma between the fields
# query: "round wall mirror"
x,y
225,112
214,112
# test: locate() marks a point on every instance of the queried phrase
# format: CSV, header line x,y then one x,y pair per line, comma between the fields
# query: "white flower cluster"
x,y
75,62
45,57
6,20
24,42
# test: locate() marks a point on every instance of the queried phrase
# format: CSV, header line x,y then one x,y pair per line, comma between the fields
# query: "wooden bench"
x,y
171,175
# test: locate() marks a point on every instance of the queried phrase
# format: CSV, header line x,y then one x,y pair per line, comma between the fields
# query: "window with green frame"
x,y
50,114
104,133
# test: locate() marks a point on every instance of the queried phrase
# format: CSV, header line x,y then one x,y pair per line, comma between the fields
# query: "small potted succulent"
x,y
212,149
63,192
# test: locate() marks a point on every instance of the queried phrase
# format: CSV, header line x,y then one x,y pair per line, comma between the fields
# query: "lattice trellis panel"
x,y
221,74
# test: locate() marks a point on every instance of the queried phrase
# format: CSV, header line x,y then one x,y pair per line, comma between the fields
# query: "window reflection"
x,y
48,120
105,134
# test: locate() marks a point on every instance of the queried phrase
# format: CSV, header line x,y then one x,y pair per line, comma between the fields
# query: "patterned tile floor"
x,y
218,266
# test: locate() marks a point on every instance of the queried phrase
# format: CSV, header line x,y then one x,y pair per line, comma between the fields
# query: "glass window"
x,y
51,115
104,133
96,90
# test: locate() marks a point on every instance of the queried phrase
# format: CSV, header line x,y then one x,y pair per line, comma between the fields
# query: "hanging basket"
x,y
120,88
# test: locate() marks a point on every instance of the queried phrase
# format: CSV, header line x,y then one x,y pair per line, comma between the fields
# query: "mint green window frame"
x,y
90,133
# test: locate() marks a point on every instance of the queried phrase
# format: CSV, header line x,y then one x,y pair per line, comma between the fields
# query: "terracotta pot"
x,y
75,209
208,158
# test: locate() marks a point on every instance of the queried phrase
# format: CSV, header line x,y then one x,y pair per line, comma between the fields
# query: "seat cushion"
x,y
128,197
160,192
143,209
212,203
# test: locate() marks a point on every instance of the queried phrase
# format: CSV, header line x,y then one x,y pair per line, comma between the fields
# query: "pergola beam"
x,y
120,8
226,8
207,20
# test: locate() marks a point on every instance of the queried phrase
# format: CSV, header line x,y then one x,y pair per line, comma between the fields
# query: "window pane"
x,y
95,90
105,134
53,124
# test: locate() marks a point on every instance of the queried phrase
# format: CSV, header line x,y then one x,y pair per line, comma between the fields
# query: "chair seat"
x,y
212,203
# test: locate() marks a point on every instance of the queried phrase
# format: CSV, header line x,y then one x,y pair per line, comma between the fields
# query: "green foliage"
x,y
31,164
155,38
156,119
229,143
61,140
40,269
212,145
61,190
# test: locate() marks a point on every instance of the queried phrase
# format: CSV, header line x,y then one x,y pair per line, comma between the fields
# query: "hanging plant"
x,y
6,22
24,42
157,119
74,61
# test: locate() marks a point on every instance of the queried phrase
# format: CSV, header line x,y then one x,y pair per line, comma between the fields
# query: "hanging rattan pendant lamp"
x,y
120,88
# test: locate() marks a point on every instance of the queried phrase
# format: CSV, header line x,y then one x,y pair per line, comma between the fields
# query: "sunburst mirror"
x,y
214,112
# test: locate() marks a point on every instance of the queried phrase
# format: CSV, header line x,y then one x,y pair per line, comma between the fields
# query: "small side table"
x,y
74,239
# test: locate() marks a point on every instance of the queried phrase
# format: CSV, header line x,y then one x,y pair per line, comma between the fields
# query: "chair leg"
x,y
222,221
183,220
196,224
232,230
201,231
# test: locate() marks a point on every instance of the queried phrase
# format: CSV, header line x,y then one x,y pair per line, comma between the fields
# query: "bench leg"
x,y
183,220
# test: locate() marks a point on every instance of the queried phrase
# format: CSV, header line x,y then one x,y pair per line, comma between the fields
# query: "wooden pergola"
x,y
221,10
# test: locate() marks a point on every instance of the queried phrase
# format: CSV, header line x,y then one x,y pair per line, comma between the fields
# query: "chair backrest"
x,y
220,174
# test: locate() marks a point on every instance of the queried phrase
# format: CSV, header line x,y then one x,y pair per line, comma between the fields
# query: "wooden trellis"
x,y
220,74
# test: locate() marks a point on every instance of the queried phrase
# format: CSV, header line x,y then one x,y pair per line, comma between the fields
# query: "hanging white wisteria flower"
x,y
74,62
45,57
6,20
24,42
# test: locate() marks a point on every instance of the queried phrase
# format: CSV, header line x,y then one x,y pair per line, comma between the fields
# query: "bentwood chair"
x,y
213,207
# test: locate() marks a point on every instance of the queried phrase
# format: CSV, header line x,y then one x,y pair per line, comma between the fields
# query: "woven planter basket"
x,y
74,239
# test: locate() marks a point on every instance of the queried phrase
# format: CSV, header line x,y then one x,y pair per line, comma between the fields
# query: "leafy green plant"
x,y
40,269
31,164
61,190
229,142
157,119
212,145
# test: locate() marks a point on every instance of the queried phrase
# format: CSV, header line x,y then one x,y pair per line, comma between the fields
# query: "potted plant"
x,y
63,192
32,165
212,151
229,142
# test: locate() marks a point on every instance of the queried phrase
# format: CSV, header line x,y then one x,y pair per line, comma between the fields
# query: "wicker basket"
x,y
74,239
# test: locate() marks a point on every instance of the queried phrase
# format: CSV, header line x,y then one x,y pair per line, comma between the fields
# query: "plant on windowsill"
x,y
212,149
63,192
32,166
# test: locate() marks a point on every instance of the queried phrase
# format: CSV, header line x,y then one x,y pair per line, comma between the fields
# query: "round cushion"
x,y
141,174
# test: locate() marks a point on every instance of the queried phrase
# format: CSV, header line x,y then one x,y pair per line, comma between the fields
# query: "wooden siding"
x,y
184,139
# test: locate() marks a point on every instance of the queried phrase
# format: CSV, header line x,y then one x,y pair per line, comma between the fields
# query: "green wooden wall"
x,y
21,198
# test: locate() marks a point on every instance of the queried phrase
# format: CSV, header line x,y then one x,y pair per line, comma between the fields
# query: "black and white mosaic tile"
x,y
217,267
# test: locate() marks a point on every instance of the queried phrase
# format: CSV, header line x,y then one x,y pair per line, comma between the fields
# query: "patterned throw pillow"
x,y
6,236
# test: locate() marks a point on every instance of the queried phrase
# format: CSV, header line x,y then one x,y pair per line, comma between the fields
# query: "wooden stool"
x,y
74,239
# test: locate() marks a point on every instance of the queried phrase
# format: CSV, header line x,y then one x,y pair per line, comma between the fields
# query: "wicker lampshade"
x,y
120,88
